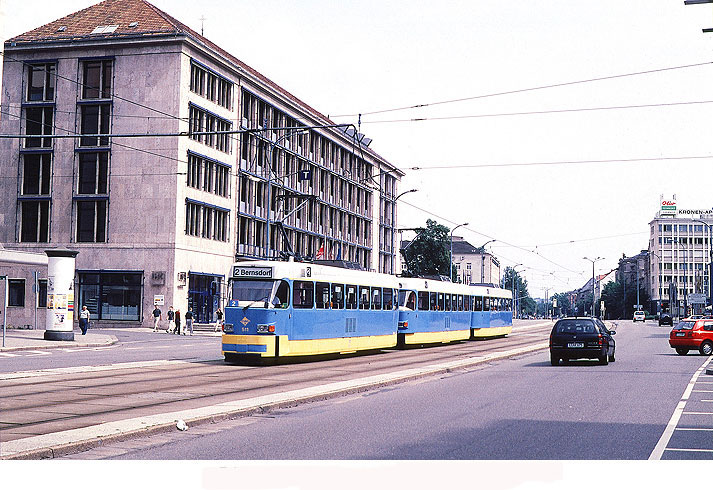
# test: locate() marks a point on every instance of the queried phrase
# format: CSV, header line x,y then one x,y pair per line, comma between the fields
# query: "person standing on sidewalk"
x,y
218,320
84,320
170,315
189,322
177,330
156,318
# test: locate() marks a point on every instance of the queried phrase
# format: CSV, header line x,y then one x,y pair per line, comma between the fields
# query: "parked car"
x,y
581,338
690,334
665,319
639,316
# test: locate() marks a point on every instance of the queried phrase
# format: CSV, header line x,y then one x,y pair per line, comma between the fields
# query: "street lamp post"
x,y
450,264
514,294
482,261
593,261
393,222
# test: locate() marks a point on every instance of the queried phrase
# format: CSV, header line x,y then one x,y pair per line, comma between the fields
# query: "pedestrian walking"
x,y
218,320
156,318
177,319
189,322
170,316
84,320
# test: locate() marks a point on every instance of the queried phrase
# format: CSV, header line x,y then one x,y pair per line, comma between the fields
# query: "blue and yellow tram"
x,y
441,312
281,309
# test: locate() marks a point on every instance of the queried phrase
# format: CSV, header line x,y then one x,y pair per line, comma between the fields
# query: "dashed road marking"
x,y
661,446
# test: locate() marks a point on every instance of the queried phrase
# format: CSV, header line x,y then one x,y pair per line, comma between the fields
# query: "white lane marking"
x,y
6,354
690,450
36,353
668,432
694,428
107,367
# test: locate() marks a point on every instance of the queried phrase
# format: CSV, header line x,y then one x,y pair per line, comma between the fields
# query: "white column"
x,y
59,323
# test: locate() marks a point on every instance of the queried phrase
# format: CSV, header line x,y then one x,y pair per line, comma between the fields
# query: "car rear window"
x,y
575,326
685,325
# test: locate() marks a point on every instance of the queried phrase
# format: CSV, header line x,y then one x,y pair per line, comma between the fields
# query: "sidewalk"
x,y
34,339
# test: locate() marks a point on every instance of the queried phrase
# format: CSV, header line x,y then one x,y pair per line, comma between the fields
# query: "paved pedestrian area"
x,y
16,339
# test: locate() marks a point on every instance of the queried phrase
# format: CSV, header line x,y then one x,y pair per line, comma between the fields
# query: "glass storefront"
x,y
111,295
204,292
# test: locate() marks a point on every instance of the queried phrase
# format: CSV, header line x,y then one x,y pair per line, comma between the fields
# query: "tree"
x,y
526,305
429,253
564,305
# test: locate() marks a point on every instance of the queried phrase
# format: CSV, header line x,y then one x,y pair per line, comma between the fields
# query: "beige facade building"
x,y
233,160
474,266
680,251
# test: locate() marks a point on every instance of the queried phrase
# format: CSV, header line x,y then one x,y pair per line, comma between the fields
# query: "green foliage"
x,y
511,278
619,299
429,252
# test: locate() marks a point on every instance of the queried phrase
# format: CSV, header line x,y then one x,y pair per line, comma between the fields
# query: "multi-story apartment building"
x,y
162,158
680,249
474,265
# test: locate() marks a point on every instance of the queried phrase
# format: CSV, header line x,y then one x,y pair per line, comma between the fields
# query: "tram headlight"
x,y
228,328
266,328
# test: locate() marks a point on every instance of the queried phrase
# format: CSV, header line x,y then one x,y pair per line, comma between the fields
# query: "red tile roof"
x,y
151,22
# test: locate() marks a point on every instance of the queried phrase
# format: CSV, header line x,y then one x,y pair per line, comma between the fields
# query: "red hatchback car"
x,y
691,334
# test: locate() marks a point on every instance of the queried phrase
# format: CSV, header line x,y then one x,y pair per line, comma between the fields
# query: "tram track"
x,y
37,406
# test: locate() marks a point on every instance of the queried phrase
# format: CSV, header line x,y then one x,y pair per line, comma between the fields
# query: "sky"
x,y
509,92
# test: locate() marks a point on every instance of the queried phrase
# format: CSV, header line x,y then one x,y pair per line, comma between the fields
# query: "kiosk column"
x,y
59,324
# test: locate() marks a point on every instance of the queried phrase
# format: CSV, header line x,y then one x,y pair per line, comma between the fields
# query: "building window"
x,y
195,164
111,295
95,120
34,221
206,222
41,82
91,221
97,79
38,121
211,86
36,172
201,121
42,293
93,173
16,292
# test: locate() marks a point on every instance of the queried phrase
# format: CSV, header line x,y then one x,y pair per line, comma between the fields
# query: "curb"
x,y
77,440
112,340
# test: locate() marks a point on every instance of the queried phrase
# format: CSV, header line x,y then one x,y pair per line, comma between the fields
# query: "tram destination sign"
x,y
252,272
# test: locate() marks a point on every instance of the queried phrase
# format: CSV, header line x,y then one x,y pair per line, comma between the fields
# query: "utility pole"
x,y
593,295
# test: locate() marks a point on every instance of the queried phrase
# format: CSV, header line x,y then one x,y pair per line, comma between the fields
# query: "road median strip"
x,y
76,440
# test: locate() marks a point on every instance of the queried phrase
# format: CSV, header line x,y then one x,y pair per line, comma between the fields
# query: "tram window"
x,y
282,295
303,293
337,296
509,305
322,296
466,303
351,297
447,305
441,302
375,298
407,299
388,299
364,293
477,303
486,304
460,302
423,300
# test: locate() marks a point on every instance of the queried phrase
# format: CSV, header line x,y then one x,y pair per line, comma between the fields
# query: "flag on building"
x,y
320,253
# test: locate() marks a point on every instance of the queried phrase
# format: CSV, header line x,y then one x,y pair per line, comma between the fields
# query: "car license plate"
x,y
680,334
574,345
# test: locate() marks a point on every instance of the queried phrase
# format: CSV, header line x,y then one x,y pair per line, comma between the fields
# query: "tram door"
x,y
204,296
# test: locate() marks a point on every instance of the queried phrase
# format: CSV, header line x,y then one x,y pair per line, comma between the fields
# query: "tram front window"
x,y
276,294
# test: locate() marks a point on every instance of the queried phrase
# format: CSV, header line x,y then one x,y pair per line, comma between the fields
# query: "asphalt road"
x,y
520,408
